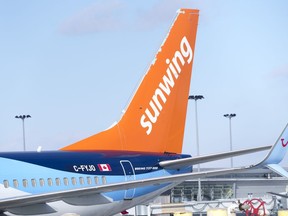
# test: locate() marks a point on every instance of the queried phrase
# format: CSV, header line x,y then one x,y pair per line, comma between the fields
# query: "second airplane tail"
x,y
276,154
155,118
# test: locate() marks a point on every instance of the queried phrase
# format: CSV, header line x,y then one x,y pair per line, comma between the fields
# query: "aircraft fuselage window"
x,y
33,182
15,183
81,180
74,182
89,181
66,181
96,179
50,182
104,180
6,183
25,182
57,180
42,182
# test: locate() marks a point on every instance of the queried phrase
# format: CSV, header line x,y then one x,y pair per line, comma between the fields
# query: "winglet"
x,y
276,154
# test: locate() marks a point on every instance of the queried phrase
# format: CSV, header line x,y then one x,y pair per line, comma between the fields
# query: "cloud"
x,y
281,72
114,15
159,13
100,16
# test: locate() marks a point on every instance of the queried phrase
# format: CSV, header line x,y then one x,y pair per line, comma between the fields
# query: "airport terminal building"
x,y
220,191
255,183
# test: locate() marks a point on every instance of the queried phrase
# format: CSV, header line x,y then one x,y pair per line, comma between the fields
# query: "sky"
x,y
73,66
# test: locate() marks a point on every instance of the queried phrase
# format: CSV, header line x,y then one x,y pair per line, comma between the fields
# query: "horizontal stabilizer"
x,y
185,162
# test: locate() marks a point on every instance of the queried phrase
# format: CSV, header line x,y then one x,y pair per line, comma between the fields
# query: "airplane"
x,y
130,163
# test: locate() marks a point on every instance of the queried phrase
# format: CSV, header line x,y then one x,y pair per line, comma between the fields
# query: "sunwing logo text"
x,y
181,57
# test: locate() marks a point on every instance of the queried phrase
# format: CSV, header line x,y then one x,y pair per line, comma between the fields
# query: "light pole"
x,y
230,116
23,117
197,97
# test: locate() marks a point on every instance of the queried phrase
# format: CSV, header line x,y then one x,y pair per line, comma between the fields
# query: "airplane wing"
x,y
56,196
180,163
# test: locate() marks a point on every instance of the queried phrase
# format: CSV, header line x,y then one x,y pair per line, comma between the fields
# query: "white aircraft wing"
x,y
55,196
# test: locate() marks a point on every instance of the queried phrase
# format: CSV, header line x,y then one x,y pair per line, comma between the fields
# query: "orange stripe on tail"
x,y
155,118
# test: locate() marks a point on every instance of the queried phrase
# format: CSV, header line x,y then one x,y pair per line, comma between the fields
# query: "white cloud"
x,y
101,16
158,14
117,14
281,72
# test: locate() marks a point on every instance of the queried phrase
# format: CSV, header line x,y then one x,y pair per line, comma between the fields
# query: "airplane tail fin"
x,y
155,118
276,154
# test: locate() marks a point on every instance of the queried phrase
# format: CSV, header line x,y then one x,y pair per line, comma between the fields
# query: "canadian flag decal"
x,y
104,167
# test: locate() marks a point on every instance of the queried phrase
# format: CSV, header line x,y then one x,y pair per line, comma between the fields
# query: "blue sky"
x,y
73,65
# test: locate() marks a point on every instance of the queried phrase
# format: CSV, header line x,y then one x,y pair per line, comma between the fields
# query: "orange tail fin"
x,y
155,118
